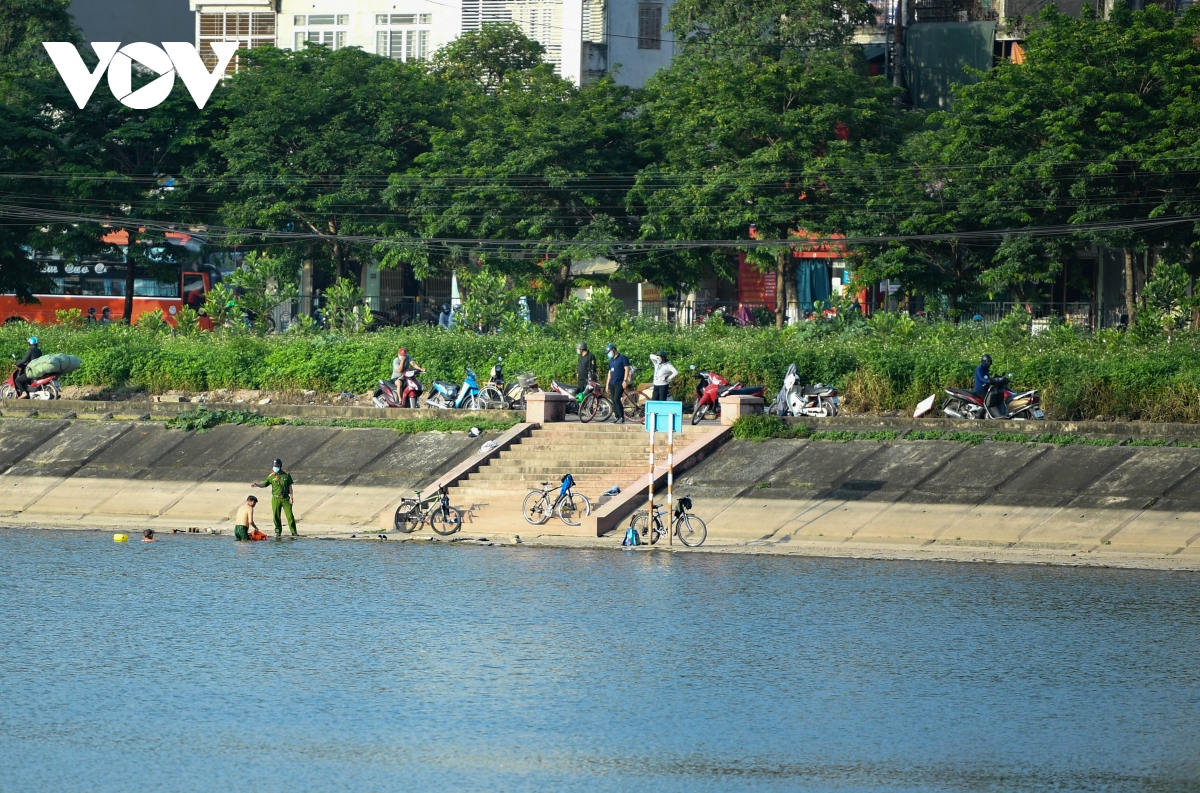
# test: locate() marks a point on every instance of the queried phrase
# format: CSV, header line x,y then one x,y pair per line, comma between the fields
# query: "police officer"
x,y
280,482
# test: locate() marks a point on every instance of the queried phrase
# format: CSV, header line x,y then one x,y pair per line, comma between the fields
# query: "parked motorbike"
x,y
998,402
493,397
710,387
589,403
794,399
386,395
41,388
515,395
449,396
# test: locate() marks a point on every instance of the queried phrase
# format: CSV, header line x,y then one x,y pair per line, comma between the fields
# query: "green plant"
x,y
202,419
219,305
263,284
486,301
153,322
70,317
759,427
879,435
839,436
1147,442
600,313
344,307
973,438
1011,437
924,435
187,321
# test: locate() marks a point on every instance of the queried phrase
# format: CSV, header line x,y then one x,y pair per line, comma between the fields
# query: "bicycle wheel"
x,y
573,508
492,399
471,403
408,518
604,408
587,408
691,530
445,522
633,408
536,508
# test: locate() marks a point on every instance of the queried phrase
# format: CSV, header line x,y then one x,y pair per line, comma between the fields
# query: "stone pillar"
x,y
734,407
543,407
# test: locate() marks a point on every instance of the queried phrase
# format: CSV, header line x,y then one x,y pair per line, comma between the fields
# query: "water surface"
x,y
198,664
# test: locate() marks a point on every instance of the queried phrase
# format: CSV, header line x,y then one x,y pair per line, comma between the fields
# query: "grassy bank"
x,y
203,419
888,363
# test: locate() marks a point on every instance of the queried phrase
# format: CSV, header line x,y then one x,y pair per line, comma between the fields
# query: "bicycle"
x,y
690,530
443,518
570,507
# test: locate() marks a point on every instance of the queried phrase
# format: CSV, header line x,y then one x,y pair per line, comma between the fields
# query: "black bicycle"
x,y
690,530
570,507
436,510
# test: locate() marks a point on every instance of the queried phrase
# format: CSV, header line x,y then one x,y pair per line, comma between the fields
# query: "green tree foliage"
x,y
487,300
263,283
304,141
600,313
25,24
490,57
750,127
344,307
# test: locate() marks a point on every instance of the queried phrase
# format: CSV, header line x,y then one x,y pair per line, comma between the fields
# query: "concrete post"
x,y
734,407
543,407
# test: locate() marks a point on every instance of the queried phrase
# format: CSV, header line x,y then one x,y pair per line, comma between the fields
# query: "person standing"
x,y
618,381
664,374
21,381
586,370
280,482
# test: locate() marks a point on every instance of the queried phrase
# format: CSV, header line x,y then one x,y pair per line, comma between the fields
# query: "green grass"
x,y
1147,442
924,435
1011,437
973,438
839,436
203,419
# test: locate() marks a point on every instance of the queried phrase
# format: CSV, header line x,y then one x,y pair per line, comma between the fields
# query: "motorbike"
x,y
710,387
794,399
449,396
41,388
493,397
386,395
515,395
998,402
588,403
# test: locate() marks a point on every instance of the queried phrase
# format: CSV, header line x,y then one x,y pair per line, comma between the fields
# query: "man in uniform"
x,y
280,482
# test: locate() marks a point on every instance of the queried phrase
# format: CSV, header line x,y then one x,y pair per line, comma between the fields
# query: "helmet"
x,y
445,306
986,359
662,356
33,339
610,347
581,346
499,359
278,463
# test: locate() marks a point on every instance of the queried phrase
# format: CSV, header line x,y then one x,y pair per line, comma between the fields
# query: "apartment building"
x,y
584,39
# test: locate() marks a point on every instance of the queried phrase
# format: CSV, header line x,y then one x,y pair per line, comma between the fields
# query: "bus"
x,y
99,283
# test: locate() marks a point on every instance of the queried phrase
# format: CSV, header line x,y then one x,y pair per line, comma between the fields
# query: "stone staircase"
x,y
597,455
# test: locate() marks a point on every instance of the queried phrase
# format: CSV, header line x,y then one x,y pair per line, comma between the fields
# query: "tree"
x,y
489,57
25,24
263,284
306,140
531,161
753,122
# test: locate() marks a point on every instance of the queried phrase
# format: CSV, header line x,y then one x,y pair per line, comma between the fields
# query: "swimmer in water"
x,y
148,536
245,520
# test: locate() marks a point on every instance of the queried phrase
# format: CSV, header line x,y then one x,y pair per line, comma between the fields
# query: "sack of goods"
x,y
57,364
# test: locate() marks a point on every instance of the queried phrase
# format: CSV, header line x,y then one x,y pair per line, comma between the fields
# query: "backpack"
x,y
567,482
631,537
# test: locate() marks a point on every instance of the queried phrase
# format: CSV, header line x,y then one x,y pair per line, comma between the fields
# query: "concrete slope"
x,y
143,475
1029,499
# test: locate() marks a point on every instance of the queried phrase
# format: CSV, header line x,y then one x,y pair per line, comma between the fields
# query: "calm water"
x,y
195,664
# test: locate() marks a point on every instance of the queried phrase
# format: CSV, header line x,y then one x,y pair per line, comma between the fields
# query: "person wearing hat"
x,y
401,364
21,381
664,374
618,381
982,375
280,482
586,370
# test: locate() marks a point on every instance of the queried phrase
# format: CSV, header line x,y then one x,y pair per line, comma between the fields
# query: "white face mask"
x,y
275,469
612,354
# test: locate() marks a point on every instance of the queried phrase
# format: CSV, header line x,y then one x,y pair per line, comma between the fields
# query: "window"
x,y
403,45
381,19
422,45
321,19
333,39
300,20
649,26
426,19
248,30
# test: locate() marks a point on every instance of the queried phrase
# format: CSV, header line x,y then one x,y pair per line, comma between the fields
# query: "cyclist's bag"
x,y
631,537
567,482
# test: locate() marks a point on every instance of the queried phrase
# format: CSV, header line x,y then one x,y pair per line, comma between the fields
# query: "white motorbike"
x,y
795,399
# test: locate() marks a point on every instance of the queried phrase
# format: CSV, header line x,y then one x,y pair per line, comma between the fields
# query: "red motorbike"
x,y
42,388
386,395
710,387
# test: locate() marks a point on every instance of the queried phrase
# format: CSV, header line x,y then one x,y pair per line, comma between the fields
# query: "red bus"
x,y
99,283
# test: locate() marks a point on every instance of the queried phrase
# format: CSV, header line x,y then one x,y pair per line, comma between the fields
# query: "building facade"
x,y
584,39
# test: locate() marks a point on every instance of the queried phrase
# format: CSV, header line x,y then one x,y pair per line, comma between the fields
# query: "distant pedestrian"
x,y
664,374
446,318
280,482
618,380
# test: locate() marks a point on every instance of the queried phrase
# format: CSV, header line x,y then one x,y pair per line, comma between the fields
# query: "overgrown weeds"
x,y
203,419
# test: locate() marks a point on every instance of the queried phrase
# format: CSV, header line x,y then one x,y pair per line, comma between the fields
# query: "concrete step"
x,y
576,467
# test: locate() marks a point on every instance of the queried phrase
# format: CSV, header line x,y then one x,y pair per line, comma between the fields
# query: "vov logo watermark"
x,y
174,57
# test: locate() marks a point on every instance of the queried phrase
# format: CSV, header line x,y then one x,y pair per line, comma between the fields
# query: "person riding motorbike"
x,y
21,381
982,375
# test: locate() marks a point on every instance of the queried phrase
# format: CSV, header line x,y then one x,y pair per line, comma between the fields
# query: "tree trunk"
x,y
1130,297
129,282
780,291
339,263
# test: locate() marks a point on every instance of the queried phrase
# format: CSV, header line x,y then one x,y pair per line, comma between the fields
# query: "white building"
x,y
583,38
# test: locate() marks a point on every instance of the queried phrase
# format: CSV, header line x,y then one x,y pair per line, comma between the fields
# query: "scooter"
x,y
817,400
42,388
526,384
998,402
709,390
449,396
386,395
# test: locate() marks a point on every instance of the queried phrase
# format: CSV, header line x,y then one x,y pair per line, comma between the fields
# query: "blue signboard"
x,y
660,416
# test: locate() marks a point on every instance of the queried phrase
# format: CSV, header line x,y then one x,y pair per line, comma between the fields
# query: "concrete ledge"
x,y
1105,429
734,407
88,409
609,516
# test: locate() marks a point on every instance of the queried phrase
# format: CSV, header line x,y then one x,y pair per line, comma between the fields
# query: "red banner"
x,y
755,288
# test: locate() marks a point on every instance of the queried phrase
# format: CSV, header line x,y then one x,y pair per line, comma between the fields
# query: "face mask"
x,y
612,354
275,469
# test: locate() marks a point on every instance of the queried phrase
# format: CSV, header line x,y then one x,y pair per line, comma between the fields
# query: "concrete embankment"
x,y
139,474
943,499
